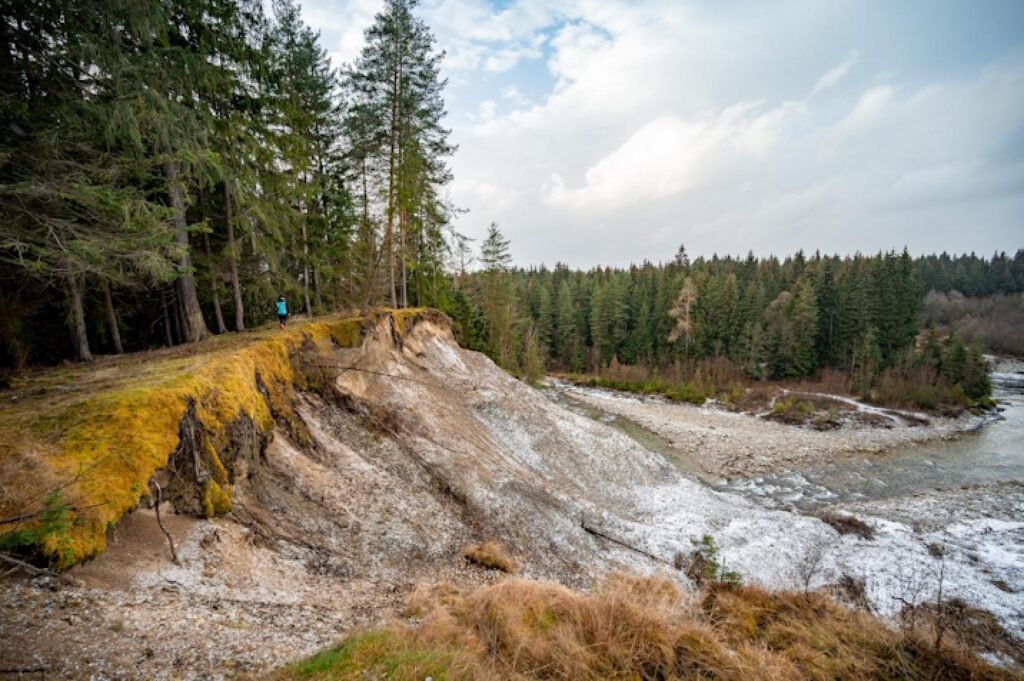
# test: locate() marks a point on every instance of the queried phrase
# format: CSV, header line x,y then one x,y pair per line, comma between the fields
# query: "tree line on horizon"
x,y
720,319
168,167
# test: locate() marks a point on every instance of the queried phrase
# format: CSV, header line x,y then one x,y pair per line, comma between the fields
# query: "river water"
x,y
991,455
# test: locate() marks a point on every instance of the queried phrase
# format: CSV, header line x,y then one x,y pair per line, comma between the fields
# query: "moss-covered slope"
x,y
79,445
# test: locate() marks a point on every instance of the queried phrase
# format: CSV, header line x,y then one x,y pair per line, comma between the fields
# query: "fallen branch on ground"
x,y
30,568
598,533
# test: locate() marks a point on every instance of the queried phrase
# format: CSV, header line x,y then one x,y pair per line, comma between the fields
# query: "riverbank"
x,y
726,443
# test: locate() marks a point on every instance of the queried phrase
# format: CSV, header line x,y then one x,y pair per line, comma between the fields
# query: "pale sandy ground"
x,y
729,444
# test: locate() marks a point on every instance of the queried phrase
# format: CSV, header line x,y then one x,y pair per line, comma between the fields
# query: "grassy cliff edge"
x,y
79,445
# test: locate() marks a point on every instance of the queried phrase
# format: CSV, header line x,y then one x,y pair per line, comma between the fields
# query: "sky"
x,y
609,132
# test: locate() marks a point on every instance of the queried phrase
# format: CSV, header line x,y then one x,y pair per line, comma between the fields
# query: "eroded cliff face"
x,y
366,463
400,451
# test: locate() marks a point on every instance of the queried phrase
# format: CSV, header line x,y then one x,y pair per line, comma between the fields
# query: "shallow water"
x,y
990,455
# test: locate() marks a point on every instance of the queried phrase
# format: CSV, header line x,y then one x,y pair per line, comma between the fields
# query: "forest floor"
x,y
723,441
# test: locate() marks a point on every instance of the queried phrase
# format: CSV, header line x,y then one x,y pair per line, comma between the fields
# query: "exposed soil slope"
x,y
382,460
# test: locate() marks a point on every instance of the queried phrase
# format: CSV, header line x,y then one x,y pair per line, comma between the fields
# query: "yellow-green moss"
x,y
220,474
216,499
108,426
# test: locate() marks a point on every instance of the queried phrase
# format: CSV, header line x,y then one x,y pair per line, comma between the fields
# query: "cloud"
x,y
672,155
869,107
835,74
505,59
341,26
609,131
513,94
487,109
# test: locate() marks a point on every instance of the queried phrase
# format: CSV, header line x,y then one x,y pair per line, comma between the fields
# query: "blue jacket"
x,y
282,307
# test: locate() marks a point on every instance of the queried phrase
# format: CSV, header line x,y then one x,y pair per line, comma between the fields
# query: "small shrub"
x,y
491,555
705,564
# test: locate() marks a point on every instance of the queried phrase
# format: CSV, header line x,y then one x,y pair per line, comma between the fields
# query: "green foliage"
x,y
49,526
766,318
135,131
377,650
706,557
677,392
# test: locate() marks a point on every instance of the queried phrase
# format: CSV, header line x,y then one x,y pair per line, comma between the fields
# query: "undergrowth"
x,y
98,432
677,392
639,628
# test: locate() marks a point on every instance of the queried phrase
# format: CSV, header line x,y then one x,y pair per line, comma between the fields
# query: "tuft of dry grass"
x,y
640,628
848,524
491,555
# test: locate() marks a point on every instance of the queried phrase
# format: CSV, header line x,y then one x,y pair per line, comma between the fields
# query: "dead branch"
x,y
29,568
598,533
170,541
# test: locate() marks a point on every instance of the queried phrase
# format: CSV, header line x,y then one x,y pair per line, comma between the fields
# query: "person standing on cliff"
x,y
282,310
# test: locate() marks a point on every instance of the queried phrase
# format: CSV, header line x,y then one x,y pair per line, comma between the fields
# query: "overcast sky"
x,y
605,132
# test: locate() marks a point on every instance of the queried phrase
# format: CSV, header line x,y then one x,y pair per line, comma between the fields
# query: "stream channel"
x,y
992,455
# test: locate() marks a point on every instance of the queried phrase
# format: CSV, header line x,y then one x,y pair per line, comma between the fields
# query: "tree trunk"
x,y
236,290
317,295
179,324
218,315
76,320
115,332
192,315
389,236
405,283
305,270
167,319
371,245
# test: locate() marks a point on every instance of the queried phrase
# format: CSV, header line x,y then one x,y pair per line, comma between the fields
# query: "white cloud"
x,y
835,74
504,59
487,109
655,122
671,155
513,94
341,25
869,107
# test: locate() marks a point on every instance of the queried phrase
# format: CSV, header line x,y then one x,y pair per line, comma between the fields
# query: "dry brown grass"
x,y
640,628
492,555
848,524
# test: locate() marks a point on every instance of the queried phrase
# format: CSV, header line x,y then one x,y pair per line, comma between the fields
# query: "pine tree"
x,y
804,314
397,111
567,335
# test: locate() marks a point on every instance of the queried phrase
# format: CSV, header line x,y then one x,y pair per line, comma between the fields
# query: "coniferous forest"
x,y
168,167
692,329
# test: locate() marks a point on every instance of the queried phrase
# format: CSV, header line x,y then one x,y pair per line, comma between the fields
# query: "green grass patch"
x,y
374,654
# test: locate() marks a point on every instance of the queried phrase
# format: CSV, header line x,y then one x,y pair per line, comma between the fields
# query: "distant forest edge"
x,y
693,329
